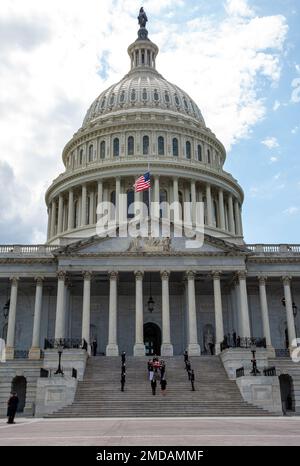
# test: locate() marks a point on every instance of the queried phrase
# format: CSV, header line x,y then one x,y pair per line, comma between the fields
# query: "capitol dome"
x,y
143,121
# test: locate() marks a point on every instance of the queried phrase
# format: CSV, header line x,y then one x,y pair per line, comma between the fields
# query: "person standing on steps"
x,y
153,386
123,368
163,386
185,356
12,406
192,379
123,357
234,338
123,380
188,368
94,347
162,369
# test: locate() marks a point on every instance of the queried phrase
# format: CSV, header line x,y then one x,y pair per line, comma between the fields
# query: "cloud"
x,y
295,129
55,59
238,8
291,210
270,143
274,159
276,105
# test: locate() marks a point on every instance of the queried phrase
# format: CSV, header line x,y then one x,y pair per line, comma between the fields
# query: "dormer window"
x,y
177,102
112,99
155,95
185,104
103,102
167,97
122,96
133,95
144,94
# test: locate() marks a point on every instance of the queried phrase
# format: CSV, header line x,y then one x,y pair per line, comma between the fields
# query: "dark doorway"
x,y
152,339
287,393
19,385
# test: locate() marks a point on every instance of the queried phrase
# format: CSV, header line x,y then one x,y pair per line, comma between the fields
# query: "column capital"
x,y
262,279
138,274
286,279
241,274
39,280
87,275
113,275
61,275
190,274
14,280
216,274
165,274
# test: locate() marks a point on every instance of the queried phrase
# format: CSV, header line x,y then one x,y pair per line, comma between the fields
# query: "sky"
x,y
238,59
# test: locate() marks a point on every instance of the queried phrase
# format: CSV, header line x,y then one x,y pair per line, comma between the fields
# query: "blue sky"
x,y
238,59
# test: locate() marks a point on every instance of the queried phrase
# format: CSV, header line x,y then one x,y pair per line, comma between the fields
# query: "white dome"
x,y
143,87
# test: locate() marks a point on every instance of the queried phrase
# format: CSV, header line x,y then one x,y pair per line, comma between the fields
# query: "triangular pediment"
x,y
142,245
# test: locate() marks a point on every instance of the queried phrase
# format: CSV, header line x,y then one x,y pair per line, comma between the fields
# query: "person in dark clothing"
x,y
153,386
238,342
123,369
123,356
12,406
185,356
84,345
188,368
192,379
163,386
123,380
225,342
211,348
162,369
94,347
234,338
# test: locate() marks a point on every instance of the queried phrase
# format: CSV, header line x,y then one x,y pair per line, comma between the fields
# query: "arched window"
x,y
112,99
103,102
130,200
188,150
208,156
155,95
144,94
177,101
130,145
91,153
199,153
167,97
102,150
133,95
145,145
80,156
185,104
116,148
122,96
175,147
161,146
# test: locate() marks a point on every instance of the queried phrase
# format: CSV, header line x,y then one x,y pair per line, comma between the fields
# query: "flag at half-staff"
x,y
142,183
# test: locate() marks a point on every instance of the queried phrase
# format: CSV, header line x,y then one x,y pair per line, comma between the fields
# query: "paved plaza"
x,y
147,431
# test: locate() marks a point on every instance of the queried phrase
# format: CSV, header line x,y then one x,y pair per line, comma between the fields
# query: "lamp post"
x,y
254,371
60,349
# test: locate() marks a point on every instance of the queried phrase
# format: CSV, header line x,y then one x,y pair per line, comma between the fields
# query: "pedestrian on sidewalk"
x,y
163,386
12,406
192,379
123,380
153,386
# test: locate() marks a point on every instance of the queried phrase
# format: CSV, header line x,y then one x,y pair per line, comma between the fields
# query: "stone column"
x,y
193,196
86,308
71,210
166,347
265,312
60,214
60,321
230,214
53,218
35,350
91,210
289,312
139,347
118,192
218,312
209,205
49,223
193,346
112,346
177,214
100,192
244,311
237,217
10,339
83,204
221,210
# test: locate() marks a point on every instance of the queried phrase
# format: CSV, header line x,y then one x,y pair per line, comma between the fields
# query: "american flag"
x,y
142,183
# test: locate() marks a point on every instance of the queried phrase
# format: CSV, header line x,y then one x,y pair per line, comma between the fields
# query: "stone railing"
x,y
26,250
274,248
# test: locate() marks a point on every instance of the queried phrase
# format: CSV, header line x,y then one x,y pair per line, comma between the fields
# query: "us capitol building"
x,y
145,296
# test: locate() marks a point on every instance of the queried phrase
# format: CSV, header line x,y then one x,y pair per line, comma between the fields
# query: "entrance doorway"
x,y
287,392
152,339
19,385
